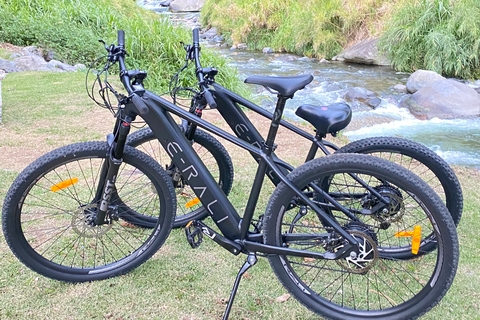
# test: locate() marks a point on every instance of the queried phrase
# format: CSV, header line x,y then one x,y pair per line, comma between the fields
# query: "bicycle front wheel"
x,y
48,213
213,155
371,282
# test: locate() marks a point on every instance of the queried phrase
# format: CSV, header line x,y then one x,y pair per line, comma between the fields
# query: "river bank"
x,y
456,140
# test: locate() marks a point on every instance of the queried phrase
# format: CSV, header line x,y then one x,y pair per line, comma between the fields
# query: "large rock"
x,y
8,66
29,62
422,78
358,94
186,5
364,52
444,99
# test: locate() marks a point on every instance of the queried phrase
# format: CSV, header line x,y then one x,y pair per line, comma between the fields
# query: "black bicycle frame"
x,y
232,226
228,106
155,111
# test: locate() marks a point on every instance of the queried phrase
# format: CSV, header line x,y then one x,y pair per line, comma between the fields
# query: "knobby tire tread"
x,y
51,160
445,174
307,170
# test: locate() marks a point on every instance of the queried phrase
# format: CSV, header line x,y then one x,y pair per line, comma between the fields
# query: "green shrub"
x,y
319,28
71,29
438,35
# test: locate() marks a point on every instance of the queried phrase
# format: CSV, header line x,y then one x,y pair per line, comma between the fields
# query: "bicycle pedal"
x,y
194,234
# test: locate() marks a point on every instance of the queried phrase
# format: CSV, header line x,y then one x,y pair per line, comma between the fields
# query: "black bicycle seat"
x,y
326,119
285,86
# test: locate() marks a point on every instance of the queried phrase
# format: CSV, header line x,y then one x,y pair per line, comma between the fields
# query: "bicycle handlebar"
x,y
125,78
121,38
196,36
199,71
209,98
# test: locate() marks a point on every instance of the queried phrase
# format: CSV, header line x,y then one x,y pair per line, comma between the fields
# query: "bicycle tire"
x,y
420,160
47,213
212,153
385,287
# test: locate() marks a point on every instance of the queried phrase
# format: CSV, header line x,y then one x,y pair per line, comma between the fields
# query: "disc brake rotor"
x,y
366,257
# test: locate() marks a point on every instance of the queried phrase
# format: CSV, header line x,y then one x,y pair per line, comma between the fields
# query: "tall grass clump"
x,y
72,28
438,35
319,28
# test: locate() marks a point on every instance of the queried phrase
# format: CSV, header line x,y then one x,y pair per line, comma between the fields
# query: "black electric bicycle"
x,y
409,154
333,236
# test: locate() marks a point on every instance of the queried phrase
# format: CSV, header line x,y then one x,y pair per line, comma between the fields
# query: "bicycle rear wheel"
x,y
48,212
373,283
213,155
420,160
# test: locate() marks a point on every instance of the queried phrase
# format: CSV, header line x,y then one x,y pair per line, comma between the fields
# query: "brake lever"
x,y
104,44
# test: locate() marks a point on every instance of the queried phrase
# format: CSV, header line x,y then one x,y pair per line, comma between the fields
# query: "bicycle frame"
x,y
228,106
232,226
156,112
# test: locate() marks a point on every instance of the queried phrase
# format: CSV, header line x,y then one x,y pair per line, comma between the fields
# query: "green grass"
x,y
319,28
5,54
72,30
439,35
178,282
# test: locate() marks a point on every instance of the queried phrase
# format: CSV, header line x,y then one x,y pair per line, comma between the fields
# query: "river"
x,y
457,141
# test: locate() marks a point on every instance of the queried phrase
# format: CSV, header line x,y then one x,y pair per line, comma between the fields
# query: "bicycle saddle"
x,y
285,86
326,119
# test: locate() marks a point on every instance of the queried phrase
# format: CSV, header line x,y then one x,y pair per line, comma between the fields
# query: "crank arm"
x,y
230,245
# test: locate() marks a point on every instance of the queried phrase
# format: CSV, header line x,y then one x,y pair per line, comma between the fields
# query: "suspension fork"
x,y
110,168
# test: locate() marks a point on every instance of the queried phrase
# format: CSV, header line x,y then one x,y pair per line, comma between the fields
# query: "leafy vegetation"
x,y
318,28
71,29
438,35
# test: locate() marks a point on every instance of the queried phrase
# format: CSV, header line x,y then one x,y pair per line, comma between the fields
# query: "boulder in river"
x,y
364,52
358,94
422,78
444,99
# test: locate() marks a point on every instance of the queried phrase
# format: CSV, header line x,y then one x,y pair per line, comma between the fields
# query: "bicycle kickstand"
x,y
251,260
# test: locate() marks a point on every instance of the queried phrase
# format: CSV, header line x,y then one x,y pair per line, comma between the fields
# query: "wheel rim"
x,y
387,281
57,225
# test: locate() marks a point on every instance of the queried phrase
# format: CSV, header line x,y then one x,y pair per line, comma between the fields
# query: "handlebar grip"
x,y
196,36
209,97
121,38
139,104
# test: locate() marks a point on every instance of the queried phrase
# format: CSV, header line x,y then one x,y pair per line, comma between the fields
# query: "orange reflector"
x,y
416,235
189,224
192,203
64,184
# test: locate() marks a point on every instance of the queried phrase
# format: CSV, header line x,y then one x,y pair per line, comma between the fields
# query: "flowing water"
x,y
457,141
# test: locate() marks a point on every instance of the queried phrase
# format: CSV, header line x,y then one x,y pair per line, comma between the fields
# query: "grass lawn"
x,y
42,111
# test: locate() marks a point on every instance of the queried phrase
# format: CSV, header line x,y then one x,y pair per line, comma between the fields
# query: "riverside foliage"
x,y
319,28
438,35
71,29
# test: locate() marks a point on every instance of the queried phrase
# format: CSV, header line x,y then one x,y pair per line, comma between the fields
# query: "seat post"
x,y
277,117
